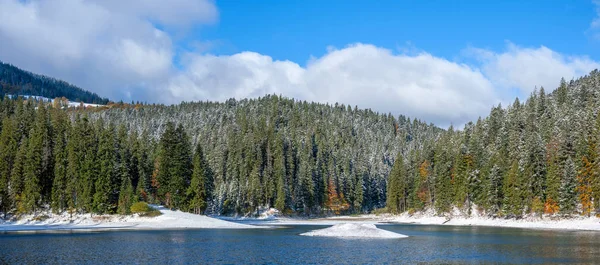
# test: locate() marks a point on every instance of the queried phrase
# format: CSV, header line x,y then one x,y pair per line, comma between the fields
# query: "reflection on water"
x,y
426,244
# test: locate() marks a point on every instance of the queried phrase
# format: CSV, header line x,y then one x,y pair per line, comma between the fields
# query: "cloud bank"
x,y
125,50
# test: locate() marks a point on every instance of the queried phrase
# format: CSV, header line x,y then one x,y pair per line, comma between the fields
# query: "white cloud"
x,y
117,49
527,68
422,86
107,46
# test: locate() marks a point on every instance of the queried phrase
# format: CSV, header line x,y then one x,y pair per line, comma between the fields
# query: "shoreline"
x,y
176,220
168,220
564,224
573,223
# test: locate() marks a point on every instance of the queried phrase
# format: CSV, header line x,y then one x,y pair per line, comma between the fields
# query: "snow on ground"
x,y
168,220
477,219
354,230
456,218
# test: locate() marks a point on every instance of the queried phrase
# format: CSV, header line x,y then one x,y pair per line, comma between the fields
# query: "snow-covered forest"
x,y
536,156
16,81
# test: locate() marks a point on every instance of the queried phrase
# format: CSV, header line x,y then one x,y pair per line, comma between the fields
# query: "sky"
x,y
445,62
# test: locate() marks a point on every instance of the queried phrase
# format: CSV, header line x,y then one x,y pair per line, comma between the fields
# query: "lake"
x,y
427,244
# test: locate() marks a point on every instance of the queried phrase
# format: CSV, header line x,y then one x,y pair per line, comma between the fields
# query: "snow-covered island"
x,y
168,219
354,230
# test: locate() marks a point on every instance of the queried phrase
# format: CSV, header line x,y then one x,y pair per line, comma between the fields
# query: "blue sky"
x,y
446,62
294,30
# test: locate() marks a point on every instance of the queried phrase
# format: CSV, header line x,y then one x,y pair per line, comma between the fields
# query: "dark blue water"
x,y
426,245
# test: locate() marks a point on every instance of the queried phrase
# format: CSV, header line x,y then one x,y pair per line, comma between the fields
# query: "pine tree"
x,y
254,189
553,179
462,168
123,163
36,163
395,188
182,170
512,192
175,166
74,157
568,193
198,189
61,127
279,171
88,149
8,150
442,169
145,167
126,197
165,163
103,202
494,189
17,177
358,193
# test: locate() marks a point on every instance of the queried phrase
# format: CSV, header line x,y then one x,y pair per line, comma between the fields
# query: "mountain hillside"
x,y
308,153
15,81
540,156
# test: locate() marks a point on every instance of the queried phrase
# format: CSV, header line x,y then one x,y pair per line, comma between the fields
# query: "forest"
x,y
15,81
540,156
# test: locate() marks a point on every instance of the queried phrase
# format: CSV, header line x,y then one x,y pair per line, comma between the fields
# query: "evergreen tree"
x,y
103,202
174,170
61,125
36,163
395,188
358,197
568,193
126,197
8,150
198,191
494,189
279,171
17,177
512,192
87,173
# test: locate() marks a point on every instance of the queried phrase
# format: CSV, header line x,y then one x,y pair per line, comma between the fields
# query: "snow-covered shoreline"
x,y
84,222
454,219
181,220
574,223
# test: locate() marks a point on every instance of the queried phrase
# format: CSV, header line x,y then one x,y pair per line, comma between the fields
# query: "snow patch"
x,y
168,220
353,230
268,214
476,218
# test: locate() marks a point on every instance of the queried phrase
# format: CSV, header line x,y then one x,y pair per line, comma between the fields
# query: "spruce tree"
x,y
175,166
126,197
279,171
358,196
395,202
103,202
512,203
88,149
34,167
61,126
494,189
198,189
568,192
8,151
17,177
165,163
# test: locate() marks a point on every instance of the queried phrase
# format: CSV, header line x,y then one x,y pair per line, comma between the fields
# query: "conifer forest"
x,y
533,156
